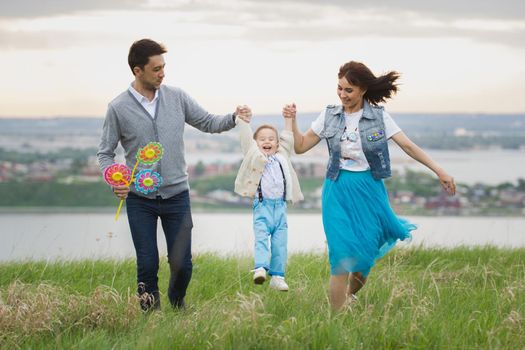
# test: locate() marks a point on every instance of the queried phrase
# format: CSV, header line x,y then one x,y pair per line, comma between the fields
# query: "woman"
x,y
359,223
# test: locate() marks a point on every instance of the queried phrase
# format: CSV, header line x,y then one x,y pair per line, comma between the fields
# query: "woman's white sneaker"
x,y
278,283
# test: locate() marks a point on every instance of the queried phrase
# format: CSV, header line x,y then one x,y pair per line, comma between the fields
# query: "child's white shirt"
x,y
272,184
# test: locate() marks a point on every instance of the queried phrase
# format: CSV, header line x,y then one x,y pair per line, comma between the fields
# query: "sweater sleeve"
x,y
199,118
109,140
286,142
245,134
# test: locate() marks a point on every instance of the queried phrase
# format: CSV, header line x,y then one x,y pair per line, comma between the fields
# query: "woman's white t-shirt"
x,y
352,155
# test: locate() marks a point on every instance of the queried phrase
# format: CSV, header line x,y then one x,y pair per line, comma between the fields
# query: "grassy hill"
x,y
415,299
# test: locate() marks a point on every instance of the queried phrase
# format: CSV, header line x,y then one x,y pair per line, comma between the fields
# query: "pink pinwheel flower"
x,y
117,175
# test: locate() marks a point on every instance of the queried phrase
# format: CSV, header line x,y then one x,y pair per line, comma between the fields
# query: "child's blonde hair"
x,y
266,126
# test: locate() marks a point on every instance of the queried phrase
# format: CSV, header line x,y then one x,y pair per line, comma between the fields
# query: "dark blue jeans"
x,y
175,216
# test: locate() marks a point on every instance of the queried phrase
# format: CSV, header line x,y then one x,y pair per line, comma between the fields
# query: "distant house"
x,y
213,169
512,197
462,132
478,191
404,197
40,177
5,171
40,172
223,196
443,200
309,169
91,170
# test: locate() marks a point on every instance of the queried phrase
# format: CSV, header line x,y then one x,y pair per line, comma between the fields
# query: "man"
x,y
151,112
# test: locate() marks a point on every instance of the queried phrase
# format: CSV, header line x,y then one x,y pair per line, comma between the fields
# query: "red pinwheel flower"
x,y
117,175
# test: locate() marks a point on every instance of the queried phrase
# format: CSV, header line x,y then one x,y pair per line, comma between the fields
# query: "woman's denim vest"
x,y
373,139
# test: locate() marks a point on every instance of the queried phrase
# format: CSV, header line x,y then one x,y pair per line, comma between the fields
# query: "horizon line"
x,y
5,117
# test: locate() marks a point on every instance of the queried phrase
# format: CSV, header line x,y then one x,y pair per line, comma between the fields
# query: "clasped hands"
x,y
289,111
243,112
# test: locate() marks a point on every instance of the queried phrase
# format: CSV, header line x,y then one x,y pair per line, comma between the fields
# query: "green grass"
x,y
415,299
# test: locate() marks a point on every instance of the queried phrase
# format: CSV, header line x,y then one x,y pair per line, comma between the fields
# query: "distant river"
x,y
79,236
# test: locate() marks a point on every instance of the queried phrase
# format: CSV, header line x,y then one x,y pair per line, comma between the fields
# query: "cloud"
x,y
45,8
495,9
318,31
501,22
311,21
44,40
272,21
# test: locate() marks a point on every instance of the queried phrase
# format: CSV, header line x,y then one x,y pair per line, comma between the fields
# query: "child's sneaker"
x,y
278,283
259,275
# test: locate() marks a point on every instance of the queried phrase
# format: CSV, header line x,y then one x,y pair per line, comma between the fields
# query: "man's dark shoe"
x,y
148,301
178,304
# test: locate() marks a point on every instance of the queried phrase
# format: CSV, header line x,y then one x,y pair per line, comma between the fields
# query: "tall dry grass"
x,y
42,309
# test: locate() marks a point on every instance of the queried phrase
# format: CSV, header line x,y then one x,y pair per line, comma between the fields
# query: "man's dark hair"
x,y
141,51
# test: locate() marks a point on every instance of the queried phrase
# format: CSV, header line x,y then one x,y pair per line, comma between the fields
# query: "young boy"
x,y
266,174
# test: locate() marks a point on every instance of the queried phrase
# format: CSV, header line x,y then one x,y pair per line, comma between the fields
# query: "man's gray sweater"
x,y
128,122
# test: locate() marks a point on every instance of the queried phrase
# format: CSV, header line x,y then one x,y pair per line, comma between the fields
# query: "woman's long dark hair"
x,y
378,89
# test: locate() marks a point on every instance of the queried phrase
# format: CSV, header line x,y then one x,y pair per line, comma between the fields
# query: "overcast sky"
x,y
69,58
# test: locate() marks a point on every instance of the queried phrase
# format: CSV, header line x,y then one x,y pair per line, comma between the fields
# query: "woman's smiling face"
x,y
351,96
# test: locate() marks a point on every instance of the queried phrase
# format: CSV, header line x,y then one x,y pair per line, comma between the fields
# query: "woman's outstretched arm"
x,y
414,151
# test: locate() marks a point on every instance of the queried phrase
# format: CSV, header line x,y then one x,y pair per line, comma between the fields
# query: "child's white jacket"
x,y
252,166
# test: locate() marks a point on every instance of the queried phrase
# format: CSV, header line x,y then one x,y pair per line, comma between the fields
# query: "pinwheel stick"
x,y
118,210
127,184
133,171
117,175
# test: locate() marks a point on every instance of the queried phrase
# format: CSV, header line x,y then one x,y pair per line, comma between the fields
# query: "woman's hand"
x,y
289,111
448,184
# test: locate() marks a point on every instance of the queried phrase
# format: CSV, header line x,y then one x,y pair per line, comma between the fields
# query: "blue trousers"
x,y
270,227
175,216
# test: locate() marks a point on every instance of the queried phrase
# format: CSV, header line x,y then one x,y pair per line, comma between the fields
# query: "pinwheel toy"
x,y
151,153
117,175
146,181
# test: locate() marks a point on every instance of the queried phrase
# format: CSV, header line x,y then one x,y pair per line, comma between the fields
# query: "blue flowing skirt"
x,y
359,224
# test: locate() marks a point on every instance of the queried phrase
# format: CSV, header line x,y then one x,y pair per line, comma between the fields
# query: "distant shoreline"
x,y
197,209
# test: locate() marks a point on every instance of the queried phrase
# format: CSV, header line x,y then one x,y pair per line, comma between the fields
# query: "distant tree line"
x,y
82,194
79,155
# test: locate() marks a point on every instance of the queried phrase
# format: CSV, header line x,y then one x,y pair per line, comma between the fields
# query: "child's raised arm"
x,y
289,112
245,134
286,142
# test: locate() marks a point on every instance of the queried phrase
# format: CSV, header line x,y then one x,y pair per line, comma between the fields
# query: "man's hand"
x,y
289,111
121,191
244,112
